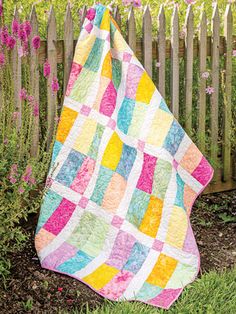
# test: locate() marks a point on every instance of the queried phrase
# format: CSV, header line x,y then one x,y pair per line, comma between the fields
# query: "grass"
x,y
212,293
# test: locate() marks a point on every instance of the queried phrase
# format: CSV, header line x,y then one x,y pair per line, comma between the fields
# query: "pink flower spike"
x,y
21,190
2,59
4,35
36,42
46,69
205,75
137,3
210,90
27,28
1,9
11,42
30,99
15,27
55,85
36,110
91,14
190,1
234,53
22,34
23,94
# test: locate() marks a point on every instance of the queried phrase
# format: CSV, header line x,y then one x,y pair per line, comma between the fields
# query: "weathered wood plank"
x,y
117,16
34,81
175,63
52,59
131,30
68,45
147,40
189,69
16,70
82,15
202,82
161,39
227,112
214,127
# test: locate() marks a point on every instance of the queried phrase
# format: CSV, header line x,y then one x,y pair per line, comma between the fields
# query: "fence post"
x,y
189,69
161,38
147,40
131,30
175,63
215,84
202,82
227,112
68,45
52,59
34,80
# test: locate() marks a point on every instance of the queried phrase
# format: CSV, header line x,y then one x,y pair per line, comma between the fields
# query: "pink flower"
x,y
210,90
49,182
2,59
1,8
12,180
137,3
205,75
60,289
22,33
36,42
190,1
46,69
127,2
158,64
30,99
234,53
27,27
55,85
36,110
4,35
5,142
91,14
21,190
23,94
11,42
15,115
15,27
27,175
20,51
32,181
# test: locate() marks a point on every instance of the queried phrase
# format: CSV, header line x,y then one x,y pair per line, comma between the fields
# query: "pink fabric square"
x,y
157,245
111,124
85,110
203,172
127,56
145,180
166,298
175,164
89,27
83,202
117,221
141,145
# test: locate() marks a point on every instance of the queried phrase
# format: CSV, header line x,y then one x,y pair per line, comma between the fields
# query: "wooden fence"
x,y
147,49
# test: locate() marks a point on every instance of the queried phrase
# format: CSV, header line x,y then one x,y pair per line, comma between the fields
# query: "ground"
x,y
33,289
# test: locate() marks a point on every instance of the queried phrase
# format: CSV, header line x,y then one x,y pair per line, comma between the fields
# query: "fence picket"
x,y
228,30
82,13
215,84
52,59
16,70
147,40
161,51
68,45
117,16
34,80
202,82
175,63
189,68
131,30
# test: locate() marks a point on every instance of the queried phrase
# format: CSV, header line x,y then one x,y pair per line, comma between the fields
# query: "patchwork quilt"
x,y
122,180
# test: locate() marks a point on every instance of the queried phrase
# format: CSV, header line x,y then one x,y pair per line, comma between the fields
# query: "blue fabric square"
x,y
127,160
174,138
180,191
70,168
104,177
76,263
137,257
125,114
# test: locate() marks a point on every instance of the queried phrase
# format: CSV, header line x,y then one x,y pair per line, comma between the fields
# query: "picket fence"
x,y
148,49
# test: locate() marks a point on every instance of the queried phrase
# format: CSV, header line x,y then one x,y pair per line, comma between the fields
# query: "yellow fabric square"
x,y
177,227
83,49
85,137
160,126
152,217
107,66
67,120
113,151
101,276
119,42
145,89
162,271
105,24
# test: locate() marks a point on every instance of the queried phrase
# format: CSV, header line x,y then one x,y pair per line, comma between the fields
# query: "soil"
x,y
33,289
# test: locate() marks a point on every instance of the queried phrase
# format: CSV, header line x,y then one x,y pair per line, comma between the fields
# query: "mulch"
x,y
31,289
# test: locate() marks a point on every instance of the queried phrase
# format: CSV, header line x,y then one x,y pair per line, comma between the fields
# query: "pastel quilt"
x,y
123,178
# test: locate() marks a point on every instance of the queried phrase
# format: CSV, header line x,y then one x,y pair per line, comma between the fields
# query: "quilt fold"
x,y
122,180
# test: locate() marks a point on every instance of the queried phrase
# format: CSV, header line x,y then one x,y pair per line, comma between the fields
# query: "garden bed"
x,y
33,289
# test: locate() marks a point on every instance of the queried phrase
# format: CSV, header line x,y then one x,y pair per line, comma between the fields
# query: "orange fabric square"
x,y
191,158
67,120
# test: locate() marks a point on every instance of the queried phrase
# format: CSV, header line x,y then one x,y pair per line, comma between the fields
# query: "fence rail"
x,y
148,49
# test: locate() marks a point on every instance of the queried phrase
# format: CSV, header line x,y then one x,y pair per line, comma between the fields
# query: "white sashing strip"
x,y
139,279
180,255
65,192
189,179
184,145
